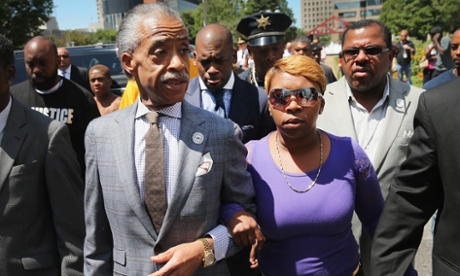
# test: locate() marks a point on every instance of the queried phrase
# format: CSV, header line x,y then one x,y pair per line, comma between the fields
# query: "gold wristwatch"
x,y
208,258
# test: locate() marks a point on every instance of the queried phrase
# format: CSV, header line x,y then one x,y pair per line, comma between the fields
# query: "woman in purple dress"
x,y
308,182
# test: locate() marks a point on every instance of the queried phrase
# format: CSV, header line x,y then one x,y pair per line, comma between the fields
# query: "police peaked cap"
x,y
264,28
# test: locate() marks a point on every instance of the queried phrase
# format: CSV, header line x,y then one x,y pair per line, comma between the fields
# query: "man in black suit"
x,y
218,90
71,72
429,180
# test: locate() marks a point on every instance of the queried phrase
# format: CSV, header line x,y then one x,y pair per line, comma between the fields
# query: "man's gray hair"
x,y
129,35
302,39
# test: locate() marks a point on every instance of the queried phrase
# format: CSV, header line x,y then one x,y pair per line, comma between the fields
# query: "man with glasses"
x,y
71,72
371,107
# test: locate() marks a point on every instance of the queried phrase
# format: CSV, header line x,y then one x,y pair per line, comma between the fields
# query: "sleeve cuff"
x,y
222,241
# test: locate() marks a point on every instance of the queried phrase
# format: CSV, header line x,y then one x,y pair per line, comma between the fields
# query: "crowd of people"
x,y
259,163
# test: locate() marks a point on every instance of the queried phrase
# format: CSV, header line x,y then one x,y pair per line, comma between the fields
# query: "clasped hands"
x,y
245,231
184,259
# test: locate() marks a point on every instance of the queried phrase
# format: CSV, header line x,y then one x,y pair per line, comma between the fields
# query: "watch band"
x,y
206,245
208,258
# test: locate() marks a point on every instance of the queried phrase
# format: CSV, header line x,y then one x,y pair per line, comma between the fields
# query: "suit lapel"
x,y
193,94
123,147
190,153
394,116
340,106
239,103
13,138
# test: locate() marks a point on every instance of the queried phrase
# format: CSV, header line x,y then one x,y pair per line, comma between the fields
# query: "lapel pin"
x,y
400,103
197,138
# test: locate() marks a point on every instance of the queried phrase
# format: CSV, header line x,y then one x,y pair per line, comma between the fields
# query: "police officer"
x,y
265,32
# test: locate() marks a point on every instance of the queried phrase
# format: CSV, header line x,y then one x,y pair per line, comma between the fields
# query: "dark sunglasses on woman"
x,y
305,97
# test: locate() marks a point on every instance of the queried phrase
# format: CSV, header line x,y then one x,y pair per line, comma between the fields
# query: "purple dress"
x,y
310,233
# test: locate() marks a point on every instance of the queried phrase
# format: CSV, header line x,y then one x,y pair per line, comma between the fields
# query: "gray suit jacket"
x,y
398,129
120,237
397,122
41,197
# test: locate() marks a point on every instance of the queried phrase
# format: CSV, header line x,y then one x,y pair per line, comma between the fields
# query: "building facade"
x,y
111,12
314,12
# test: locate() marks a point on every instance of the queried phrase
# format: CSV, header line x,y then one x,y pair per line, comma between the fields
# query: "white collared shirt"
x,y
4,118
368,129
208,103
66,72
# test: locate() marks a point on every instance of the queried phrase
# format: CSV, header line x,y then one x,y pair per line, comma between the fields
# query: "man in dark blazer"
x,y
41,192
242,102
218,90
428,181
71,72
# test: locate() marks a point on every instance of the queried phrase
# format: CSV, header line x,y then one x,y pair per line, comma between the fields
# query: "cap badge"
x,y
263,21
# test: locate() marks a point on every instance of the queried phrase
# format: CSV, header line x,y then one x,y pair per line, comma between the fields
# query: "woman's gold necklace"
x,y
319,169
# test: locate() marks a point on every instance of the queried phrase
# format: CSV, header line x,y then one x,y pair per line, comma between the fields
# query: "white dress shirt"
x,y
368,129
65,73
208,101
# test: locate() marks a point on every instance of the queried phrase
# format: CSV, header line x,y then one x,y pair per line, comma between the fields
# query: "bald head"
x,y
215,32
40,43
40,57
214,56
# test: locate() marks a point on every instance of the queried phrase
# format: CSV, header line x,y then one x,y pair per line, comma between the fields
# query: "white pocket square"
x,y
205,165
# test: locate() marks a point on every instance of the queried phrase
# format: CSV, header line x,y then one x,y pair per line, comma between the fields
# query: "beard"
x,y
45,84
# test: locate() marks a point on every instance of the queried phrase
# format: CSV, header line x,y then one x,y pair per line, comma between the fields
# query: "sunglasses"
x,y
63,56
352,53
305,97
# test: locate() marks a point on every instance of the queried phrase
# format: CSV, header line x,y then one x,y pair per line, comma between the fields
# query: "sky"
x,y
78,14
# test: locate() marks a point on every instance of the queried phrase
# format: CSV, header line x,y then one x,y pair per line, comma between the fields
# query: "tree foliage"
x,y
419,16
255,6
20,19
230,12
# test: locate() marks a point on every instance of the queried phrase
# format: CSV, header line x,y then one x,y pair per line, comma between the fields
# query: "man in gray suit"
x,y
371,107
41,191
204,164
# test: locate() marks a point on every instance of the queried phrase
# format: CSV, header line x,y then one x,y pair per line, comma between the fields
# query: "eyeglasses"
x,y
352,53
305,97
63,56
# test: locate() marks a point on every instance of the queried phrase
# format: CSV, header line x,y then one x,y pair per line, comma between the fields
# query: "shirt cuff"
x,y
222,241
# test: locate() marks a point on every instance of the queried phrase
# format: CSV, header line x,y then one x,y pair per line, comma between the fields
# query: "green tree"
x,y
230,12
104,36
225,12
419,16
255,6
20,19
